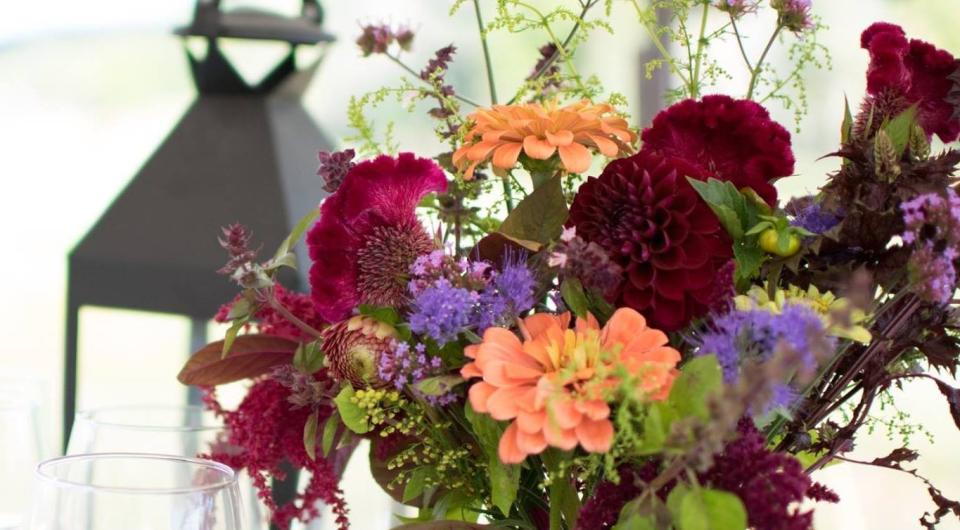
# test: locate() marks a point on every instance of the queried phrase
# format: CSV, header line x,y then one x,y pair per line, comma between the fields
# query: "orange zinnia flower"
x,y
555,383
502,132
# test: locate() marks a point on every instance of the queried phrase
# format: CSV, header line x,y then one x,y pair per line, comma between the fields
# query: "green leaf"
x,y
309,358
439,385
539,217
759,228
646,513
706,509
783,241
241,308
729,220
899,129
231,335
636,522
387,315
251,356
750,258
699,378
310,435
350,413
287,260
846,128
296,234
443,525
330,433
504,478
572,291
415,485
656,427
727,203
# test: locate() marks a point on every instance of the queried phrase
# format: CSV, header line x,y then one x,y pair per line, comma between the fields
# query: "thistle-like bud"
x,y
919,146
353,348
885,160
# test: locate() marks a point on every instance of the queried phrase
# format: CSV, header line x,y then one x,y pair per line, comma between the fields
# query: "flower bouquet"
x,y
560,322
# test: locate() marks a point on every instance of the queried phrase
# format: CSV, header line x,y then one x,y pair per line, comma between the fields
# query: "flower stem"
x,y
561,49
755,73
743,51
416,75
659,45
698,61
486,52
285,313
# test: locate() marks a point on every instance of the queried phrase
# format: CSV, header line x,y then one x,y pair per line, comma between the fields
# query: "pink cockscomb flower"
x,y
731,139
909,72
368,234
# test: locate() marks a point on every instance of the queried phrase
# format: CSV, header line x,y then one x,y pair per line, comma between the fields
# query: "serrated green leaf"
x,y
504,478
899,129
750,258
729,220
699,378
310,435
572,292
539,217
415,485
350,413
329,433
438,385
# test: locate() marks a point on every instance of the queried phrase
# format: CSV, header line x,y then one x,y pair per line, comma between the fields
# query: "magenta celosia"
x,y
270,322
909,72
730,139
368,234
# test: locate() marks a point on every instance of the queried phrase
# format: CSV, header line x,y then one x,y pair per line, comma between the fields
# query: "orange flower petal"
x,y
565,439
607,147
562,412
481,150
508,450
595,409
479,393
537,148
539,323
470,370
559,138
531,443
575,157
505,403
468,174
471,351
648,339
596,436
531,421
505,157
622,327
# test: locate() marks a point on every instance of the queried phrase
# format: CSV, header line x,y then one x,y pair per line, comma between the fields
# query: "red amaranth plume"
x,y
264,432
271,322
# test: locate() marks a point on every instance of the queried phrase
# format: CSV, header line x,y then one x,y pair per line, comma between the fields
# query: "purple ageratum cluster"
x,y
402,366
932,225
452,296
741,335
809,214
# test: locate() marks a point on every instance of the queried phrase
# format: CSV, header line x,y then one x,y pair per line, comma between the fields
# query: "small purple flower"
x,y
808,213
402,367
442,311
737,7
794,14
932,226
740,335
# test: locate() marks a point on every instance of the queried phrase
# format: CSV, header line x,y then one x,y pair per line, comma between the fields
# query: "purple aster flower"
x,y
442,311
741,335
809,214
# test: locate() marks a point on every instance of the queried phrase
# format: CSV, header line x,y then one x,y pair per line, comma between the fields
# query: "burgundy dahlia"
x,y
904,73
368,235
645,214
731,139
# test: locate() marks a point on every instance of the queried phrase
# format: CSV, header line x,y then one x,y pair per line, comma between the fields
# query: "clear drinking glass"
x,y
129,491
186,431
21,447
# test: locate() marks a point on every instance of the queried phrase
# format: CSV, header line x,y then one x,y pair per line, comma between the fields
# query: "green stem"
x,y
416,75
743,51
659,45
564,503
486,52
698,61
567,58
755,74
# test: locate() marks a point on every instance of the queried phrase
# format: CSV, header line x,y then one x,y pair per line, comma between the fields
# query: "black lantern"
x,y
241,152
